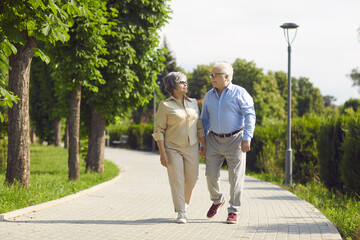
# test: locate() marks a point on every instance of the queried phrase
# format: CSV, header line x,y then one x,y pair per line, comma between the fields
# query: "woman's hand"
x,y
163,155
164,159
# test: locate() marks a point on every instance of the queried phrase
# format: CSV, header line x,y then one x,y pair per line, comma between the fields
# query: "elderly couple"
x,y
224,130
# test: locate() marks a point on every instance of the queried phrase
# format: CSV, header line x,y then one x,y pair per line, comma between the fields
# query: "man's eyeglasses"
x,y
215,74
183,82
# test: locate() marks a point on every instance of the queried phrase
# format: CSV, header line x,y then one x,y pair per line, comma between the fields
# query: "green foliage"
x,y
305,98
355,77
354,104
7,98
170,66
116,131
269,105
49,179
350,164
47,101
134,60
324,148
306,163
329,141
246,74
23,21
139,135
309,99
199,82
81,56
268,150
3,151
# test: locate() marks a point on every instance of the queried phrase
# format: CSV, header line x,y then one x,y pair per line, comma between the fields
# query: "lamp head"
x,y
289,26
286,27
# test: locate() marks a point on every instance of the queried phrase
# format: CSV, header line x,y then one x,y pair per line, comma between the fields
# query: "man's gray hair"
x,y
171,80
228,69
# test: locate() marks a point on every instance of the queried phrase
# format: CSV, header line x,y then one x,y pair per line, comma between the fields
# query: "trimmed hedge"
x,y
268,150
350,164
326,150
305,155
329,141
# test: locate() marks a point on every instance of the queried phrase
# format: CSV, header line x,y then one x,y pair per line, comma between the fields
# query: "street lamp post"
x,y
288,155
154,113
154,107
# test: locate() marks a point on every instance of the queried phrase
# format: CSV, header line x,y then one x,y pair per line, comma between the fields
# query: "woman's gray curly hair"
x,y
171,80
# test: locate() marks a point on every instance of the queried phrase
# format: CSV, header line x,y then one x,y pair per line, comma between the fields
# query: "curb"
x,y
35,208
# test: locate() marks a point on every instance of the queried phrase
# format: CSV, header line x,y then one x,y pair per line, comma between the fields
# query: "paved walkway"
x,y
138,206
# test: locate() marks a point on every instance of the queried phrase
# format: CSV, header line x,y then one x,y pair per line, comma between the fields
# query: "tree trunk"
x,y
95,154
18,161
74,127
66,137
57,132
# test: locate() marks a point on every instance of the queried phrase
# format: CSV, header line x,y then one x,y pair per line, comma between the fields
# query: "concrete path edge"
x,y
68,198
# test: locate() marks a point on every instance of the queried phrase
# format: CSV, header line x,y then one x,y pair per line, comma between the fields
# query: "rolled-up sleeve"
x,y
160,123
200,129
248,111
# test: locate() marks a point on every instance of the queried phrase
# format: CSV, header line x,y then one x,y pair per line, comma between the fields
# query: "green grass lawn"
x,y
49,179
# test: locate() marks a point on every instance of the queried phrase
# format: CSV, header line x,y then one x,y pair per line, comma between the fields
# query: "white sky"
x,y
325,50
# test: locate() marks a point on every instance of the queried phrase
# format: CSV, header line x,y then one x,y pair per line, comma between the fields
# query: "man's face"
x,y
220,79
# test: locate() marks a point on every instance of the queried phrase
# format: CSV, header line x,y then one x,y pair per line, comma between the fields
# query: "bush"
x,y
140,136
267,150
306,162
350,164
116,131
329,143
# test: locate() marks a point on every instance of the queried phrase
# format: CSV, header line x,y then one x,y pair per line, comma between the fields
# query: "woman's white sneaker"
x,y
181,218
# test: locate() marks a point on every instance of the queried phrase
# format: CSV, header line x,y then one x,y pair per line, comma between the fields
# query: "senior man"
x,y
228,117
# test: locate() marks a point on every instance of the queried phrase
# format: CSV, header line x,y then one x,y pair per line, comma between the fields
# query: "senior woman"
x,y
178,131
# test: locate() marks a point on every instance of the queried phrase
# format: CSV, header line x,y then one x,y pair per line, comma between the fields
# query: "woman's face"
x,y
181,87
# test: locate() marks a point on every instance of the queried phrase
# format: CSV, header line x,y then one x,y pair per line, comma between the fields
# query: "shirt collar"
x,y
172,98
230,87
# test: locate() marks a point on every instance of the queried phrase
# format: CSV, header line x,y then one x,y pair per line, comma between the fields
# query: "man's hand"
x,y
203,151
245,146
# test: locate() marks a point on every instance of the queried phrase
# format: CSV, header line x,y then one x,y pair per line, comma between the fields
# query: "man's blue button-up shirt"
x,y
233,110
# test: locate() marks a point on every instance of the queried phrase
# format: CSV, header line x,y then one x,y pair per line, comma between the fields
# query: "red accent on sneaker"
x,y
232,218
213,209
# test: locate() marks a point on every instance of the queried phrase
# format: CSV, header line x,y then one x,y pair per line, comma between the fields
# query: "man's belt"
x,y
222,135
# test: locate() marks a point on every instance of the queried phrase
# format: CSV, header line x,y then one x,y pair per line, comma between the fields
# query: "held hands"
x,y
203,151
245,146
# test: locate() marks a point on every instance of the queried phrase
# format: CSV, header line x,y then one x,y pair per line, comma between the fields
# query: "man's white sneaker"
x,y
181,218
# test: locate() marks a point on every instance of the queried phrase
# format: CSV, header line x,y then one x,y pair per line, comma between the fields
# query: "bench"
x,y
122,141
